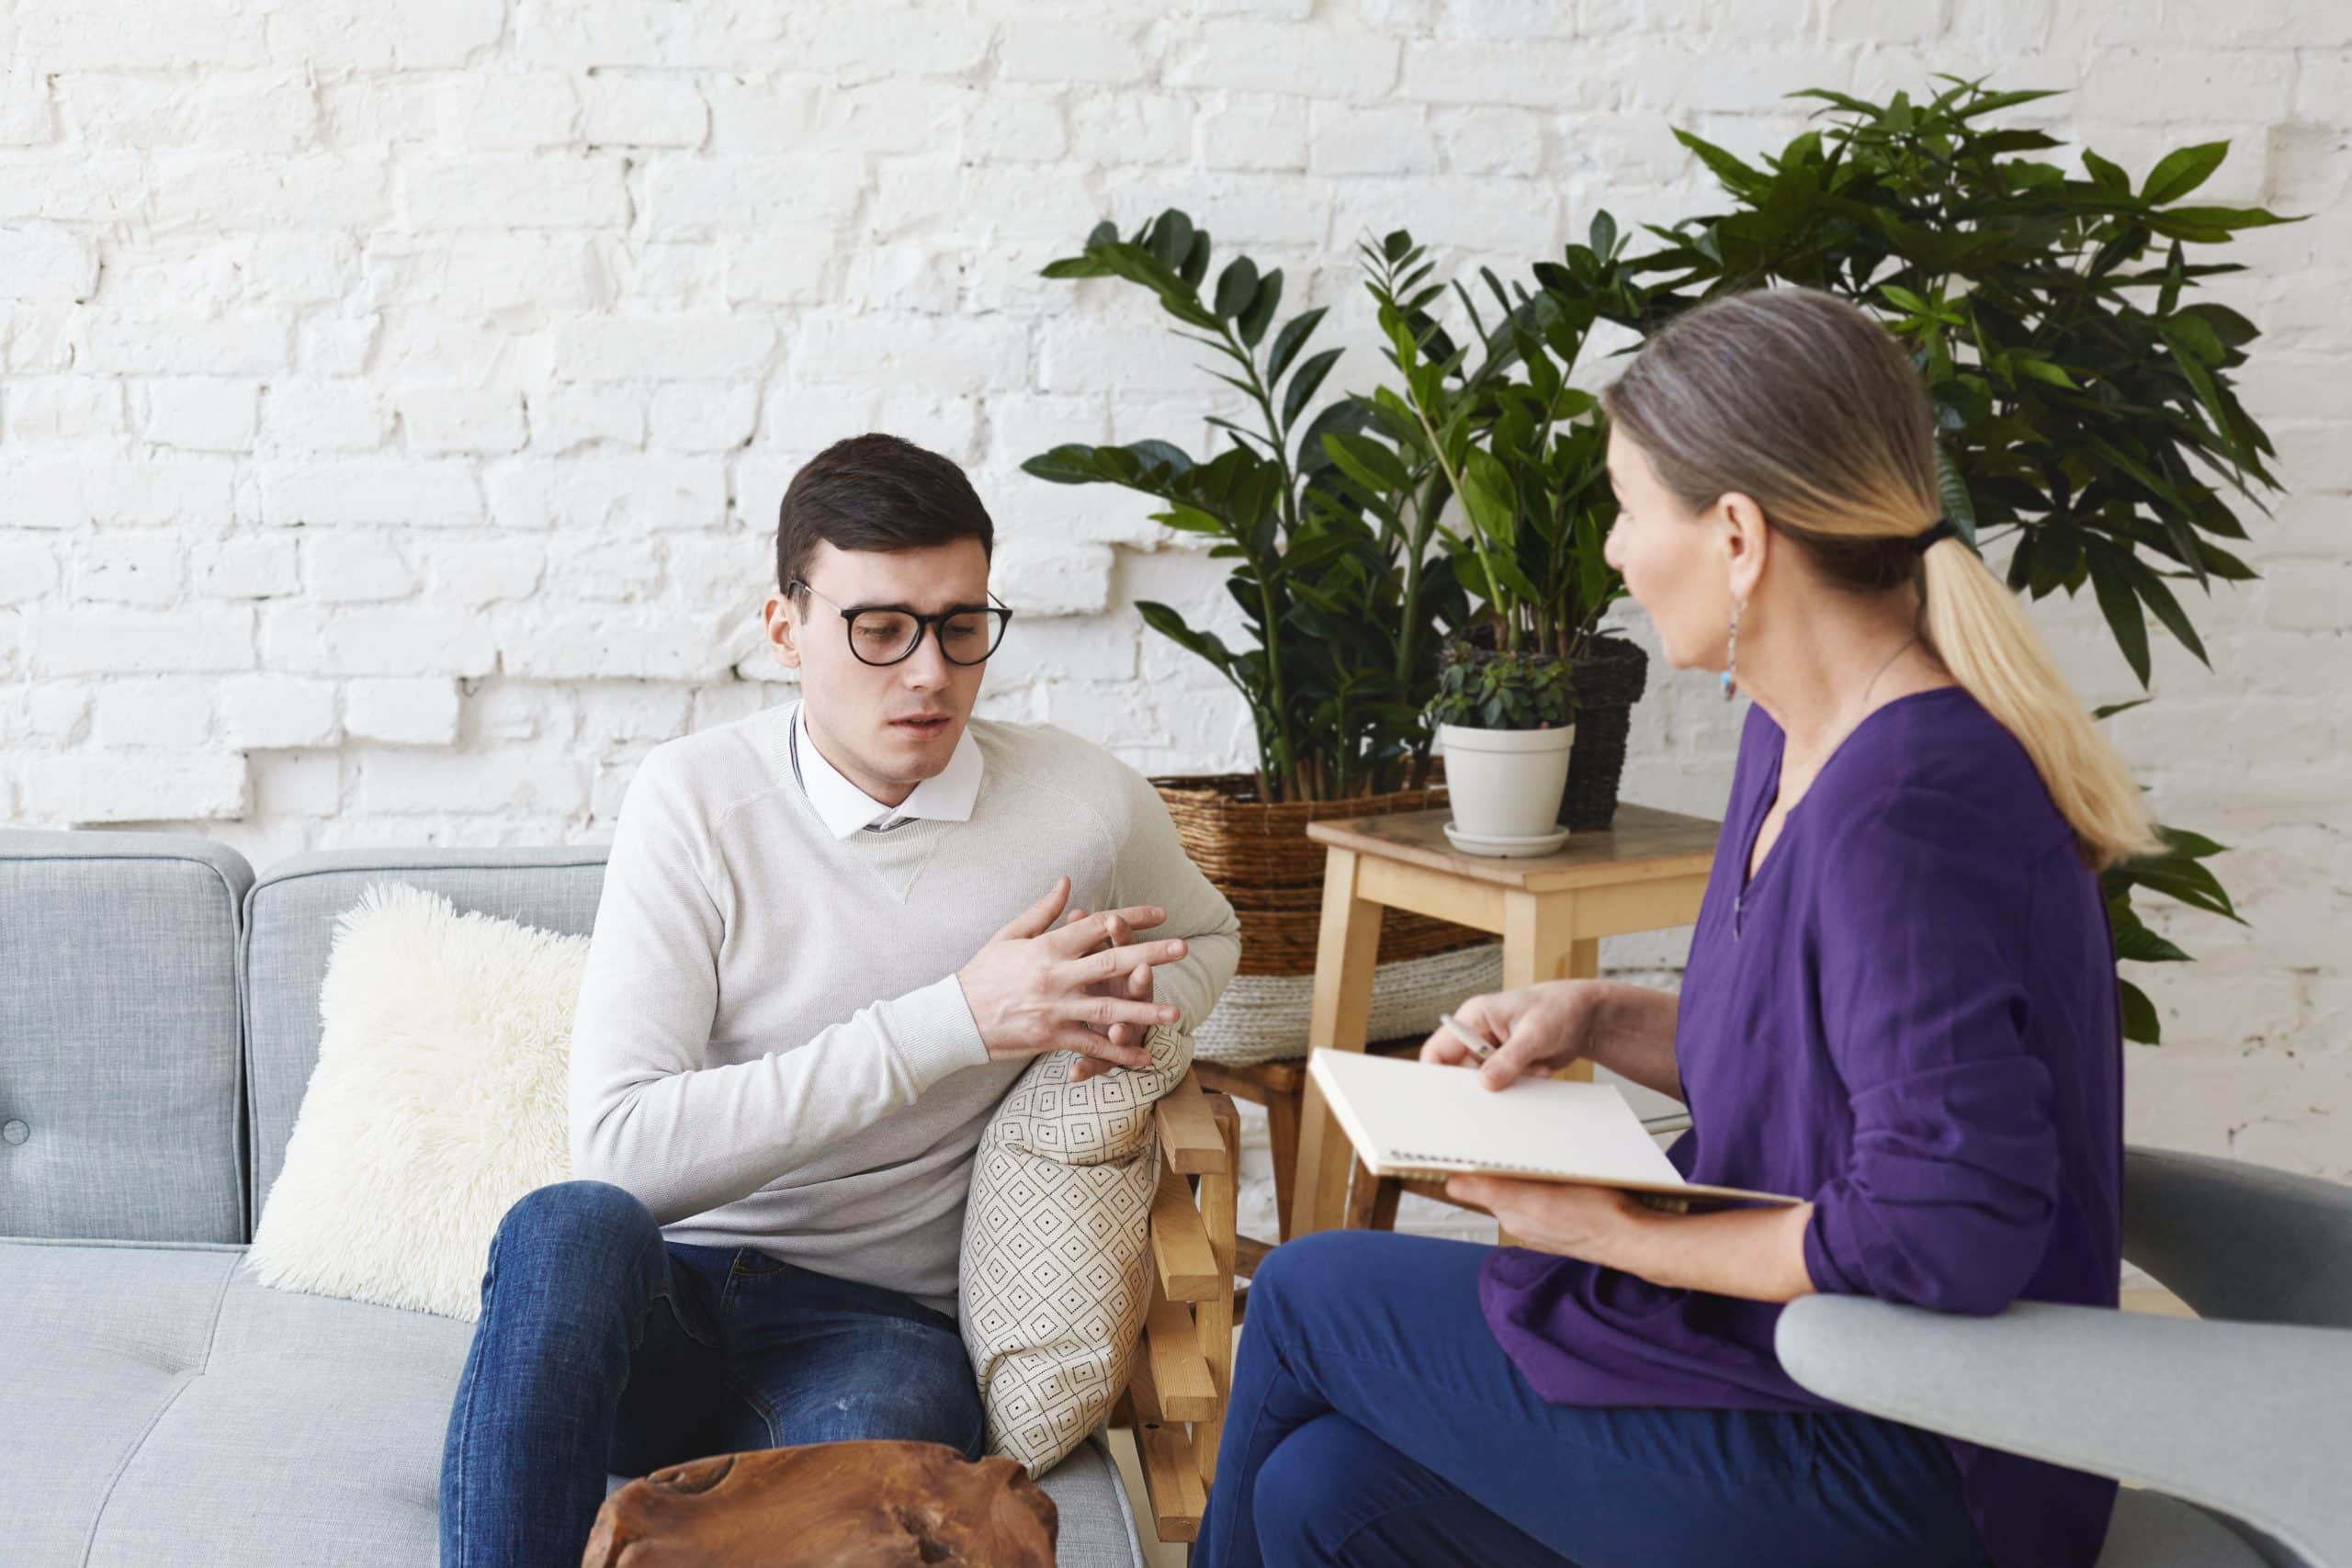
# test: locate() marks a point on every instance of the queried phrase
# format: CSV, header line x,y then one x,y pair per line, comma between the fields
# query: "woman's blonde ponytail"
x,y
1801,401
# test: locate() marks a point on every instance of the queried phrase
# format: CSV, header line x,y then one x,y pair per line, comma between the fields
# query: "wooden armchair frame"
x,y
1175,1397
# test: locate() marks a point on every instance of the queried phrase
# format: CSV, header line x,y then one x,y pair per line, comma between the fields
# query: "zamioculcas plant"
x,y
1337,662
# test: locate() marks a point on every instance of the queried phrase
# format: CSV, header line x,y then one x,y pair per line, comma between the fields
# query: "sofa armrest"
x,y
2251,1420
2241,1241
1176,1396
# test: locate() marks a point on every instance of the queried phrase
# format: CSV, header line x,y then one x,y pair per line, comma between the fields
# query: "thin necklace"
x,y
1740,905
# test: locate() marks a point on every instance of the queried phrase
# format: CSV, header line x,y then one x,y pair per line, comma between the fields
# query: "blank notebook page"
x,y
1406,1115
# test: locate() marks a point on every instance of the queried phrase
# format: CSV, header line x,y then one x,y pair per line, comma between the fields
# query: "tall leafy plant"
x,y
2085,398
1498,424
1336,662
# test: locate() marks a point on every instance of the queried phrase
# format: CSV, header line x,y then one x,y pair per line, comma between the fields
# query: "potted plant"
x,y
2085,397
1503,714
1540,445
1340,610
1504,718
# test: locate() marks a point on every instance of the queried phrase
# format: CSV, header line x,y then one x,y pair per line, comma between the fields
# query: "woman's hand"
x,y
1572,1220
1538,1027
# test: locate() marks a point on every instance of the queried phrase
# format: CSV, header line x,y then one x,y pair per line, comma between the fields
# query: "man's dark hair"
x,y
876,492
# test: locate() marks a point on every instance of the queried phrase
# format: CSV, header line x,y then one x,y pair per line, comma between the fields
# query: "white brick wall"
x,y
396,398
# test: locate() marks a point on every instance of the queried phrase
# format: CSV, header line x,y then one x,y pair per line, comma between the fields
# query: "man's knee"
x,y
578,1214
592,1232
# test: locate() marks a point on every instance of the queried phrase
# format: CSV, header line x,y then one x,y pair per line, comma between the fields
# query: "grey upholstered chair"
x,y
2237,1425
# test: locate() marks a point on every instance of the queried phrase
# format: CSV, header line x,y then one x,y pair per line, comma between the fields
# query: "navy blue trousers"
x,y
1375,1421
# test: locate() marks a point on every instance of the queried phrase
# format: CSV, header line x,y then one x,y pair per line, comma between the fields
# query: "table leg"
x,y
1540,942
1347,947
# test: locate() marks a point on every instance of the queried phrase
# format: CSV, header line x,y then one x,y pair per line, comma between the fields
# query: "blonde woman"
x,y
1900,1002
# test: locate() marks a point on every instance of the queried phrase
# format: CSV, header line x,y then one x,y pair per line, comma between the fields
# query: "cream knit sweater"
x,y
772,1049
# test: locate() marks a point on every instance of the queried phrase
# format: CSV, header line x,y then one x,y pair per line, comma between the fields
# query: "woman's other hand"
x,y
1568,1219
1538,1029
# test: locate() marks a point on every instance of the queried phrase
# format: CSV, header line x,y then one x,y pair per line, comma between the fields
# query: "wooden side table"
x,y
1646,872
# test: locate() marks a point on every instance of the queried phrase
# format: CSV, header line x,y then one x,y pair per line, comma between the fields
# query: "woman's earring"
x,y
1731,665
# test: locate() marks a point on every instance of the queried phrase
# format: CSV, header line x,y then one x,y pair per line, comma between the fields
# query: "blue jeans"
x,y
1375,1421
604,1347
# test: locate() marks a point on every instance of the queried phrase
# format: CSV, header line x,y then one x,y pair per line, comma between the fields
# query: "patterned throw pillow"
x,y
1056,1264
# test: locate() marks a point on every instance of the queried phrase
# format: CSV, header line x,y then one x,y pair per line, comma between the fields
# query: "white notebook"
x,y
1423,1122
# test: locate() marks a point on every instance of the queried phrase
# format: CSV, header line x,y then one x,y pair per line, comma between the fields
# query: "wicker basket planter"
x,y
1262,860
1608,682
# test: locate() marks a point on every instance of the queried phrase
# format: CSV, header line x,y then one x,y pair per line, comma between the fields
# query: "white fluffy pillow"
x,y
1054,1271
438,1099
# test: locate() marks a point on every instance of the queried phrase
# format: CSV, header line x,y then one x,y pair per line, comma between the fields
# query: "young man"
x,y
832,935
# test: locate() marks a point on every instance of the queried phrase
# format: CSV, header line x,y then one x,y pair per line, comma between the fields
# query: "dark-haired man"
x,y
830,936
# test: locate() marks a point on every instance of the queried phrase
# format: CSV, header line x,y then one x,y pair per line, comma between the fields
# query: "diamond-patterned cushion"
x,y
1057,1247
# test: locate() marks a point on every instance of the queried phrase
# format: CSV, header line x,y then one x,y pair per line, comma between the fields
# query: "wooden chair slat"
x,y
1188,1138
1179,1246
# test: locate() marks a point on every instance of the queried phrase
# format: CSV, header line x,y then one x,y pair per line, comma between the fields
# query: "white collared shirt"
x,y
946,797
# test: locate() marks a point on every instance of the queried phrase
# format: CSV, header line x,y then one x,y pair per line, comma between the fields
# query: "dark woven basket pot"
x,y
1608,682
1259,857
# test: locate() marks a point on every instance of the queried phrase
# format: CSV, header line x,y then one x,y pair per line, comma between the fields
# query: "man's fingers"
x,y
1139,983
1086,1043
1101,1012
1038,917
1085,936
1116,963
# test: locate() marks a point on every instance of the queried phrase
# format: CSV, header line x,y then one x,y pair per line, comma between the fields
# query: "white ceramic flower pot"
x,y
1505,784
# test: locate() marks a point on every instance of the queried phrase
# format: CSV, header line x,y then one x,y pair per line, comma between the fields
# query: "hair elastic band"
x,y
1942,530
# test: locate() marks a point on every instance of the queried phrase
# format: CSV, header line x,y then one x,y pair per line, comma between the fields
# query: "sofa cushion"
x,y
119,1091
289,927
163,1406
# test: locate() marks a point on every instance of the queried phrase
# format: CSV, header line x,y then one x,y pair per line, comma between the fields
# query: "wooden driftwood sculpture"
x,y
854,1504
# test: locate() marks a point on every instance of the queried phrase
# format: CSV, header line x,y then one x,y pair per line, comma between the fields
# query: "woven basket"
x,y
1608,682
1263,1018
1262,860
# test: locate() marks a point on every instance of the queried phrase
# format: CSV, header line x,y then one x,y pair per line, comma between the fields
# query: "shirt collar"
x,y
946,797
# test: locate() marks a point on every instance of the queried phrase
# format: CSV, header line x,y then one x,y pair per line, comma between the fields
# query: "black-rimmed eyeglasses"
x,y
884,634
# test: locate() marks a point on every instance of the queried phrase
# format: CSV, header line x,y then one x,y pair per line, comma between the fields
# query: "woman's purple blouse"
x,y
1910,1017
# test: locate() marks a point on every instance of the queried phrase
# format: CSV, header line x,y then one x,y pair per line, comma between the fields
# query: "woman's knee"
x,y
1303,1505
1310,1276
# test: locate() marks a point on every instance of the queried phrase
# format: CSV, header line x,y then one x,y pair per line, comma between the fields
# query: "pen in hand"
x,y
1480,1049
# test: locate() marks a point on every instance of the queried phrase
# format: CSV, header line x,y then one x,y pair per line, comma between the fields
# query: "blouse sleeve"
x,y
1947,1193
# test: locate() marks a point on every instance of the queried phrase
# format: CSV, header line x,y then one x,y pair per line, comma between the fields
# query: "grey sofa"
x,y
158,1025
2235,1430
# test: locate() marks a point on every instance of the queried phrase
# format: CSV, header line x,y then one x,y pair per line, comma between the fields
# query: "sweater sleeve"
x,y
1949,1190
645,1112
1151,867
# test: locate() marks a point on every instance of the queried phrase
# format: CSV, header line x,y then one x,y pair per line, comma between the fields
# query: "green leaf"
x,y
1074,464
2178,174
1736,177
2122,607
2140,1024
1486,496
1255,319
1290,340
1236,287
1368,462
1302,386
1171,239
2109,176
